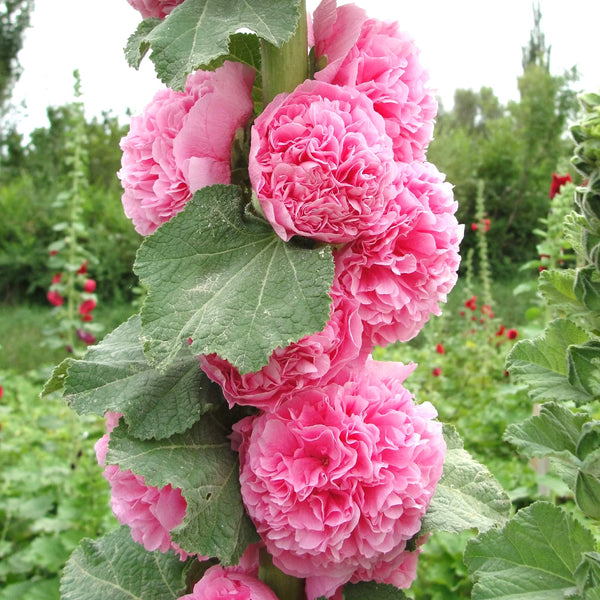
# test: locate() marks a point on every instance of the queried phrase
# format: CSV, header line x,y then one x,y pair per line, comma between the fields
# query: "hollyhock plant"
x,y
150,512
322,164
55,298
158,9
304,363
182,142
338,478
383,64
227,583
401,276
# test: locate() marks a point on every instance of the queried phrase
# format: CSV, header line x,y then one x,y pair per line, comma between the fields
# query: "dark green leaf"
x,y
138,44
372,591
467,496
117,568
197,32
115,376
587,485
229,284
534,556
541,363
201,463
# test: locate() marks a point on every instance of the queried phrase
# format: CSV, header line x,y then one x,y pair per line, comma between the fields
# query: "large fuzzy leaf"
x,y
115,376
467,495
201,463
227,284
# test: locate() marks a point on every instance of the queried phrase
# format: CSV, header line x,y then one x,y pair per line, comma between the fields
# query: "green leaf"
x,y
587,288
587,574
138,45
372,591
56,382
467,495
583,367
554,432
541,363
115,376
201,463
229,284
587,485
197,32
556,287
534,556
117,568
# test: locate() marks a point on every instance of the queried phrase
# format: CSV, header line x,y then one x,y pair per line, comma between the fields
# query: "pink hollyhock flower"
x,y
150,512
437,371
56,278
89,286
321,164
512,334
55,298
158,9
226,583
338,478
304,363
182,142
401,276
384,64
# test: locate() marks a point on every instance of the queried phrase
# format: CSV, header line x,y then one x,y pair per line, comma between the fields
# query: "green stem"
x,y
283,69
284,586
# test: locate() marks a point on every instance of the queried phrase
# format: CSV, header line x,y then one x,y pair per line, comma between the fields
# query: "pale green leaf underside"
x,y
117,568
542,364
467,495
201,463
534,557
228,284
197,32
115,376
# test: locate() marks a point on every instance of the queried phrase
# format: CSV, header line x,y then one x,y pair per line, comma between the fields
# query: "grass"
x,y
21,327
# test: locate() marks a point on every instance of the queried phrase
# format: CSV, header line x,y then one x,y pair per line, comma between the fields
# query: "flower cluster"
x,y
338,464
182,142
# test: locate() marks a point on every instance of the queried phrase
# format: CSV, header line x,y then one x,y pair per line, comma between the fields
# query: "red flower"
x,y
439,349
500,331
542,256
486,309
89,286
486,224
53,252
1,391
87,317
557,182
87,306
471,303
55,298
56,278
83,268
474,226
511,334
462,313
86,336
436,372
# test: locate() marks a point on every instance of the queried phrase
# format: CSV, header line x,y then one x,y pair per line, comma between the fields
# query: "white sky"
x,y
464,44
